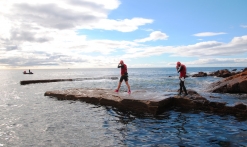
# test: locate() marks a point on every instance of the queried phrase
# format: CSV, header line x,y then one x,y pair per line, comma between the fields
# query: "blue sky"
x,y
97,34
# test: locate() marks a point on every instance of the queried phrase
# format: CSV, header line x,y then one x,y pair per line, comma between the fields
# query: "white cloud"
x,y
69,14
43,29
126,25
203,49
243,26
213,62
206,34
65,54
156,35
229,62
76,52
44,21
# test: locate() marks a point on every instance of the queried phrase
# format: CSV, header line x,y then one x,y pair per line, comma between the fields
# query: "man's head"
x,y
121,62
178,64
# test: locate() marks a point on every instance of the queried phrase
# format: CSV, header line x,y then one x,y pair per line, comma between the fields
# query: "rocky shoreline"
x,y
224,73
232,82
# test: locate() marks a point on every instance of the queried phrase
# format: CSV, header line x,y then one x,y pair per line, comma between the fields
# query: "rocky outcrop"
x,y
233,84
146,102
221,73
62,80
200,74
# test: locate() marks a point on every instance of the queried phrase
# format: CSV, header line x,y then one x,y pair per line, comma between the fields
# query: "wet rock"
x,y
234,73
200,74
234,69
147,102
192,92
221,73
234,84
240,106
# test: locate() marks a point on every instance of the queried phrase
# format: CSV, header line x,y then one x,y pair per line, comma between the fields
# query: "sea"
x,y
30,119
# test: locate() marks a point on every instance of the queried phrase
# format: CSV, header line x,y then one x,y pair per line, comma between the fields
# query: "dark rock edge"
x,y
62,80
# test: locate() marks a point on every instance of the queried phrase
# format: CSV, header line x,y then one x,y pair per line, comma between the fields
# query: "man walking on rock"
x,y
182,70
124,76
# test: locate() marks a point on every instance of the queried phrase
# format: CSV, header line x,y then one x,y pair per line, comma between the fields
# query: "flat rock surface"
x,y
139,95
148,102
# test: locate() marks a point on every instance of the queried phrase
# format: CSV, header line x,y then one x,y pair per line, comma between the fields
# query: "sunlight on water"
x,y
28,118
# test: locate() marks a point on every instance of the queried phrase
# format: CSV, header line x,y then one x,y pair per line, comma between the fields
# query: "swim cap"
x,y
178,63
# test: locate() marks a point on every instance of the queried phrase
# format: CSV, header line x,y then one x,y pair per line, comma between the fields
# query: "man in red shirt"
x,y
124,76
182,69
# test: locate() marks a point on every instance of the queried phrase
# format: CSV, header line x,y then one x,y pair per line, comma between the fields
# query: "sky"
x,y
51,34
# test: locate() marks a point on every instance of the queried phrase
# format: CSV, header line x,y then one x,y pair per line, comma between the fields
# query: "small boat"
x,y
27,72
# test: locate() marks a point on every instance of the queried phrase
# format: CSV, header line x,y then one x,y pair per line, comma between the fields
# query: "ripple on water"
x,y
177,128
28,118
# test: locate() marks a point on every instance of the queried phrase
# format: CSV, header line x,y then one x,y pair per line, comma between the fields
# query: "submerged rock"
x,y
234,84
147,102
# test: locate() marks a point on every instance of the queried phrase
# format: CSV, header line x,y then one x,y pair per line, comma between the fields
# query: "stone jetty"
x,y
148,102
62,80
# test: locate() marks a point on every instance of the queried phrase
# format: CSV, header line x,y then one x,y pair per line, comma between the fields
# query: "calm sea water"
x,y
28,118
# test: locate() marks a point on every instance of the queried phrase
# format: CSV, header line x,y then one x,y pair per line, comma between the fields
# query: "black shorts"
x,y
124,77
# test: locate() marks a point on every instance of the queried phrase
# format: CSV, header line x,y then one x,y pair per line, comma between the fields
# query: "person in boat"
x,y
124,76
29,71
24,72
181,68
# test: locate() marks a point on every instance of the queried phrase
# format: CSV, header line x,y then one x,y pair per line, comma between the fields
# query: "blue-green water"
x,y
28,118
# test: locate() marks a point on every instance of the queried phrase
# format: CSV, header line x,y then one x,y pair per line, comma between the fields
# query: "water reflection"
x,y
174,128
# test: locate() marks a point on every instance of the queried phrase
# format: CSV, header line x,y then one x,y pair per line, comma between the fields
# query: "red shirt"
x,y
182,71
123,69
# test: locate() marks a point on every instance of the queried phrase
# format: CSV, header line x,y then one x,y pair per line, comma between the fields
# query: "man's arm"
x,y
180,68
119,65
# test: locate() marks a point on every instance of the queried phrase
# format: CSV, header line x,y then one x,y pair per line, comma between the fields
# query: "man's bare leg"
x,y
127,83
119,84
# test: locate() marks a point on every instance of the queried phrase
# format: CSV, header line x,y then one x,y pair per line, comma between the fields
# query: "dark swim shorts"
x,y
124,77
